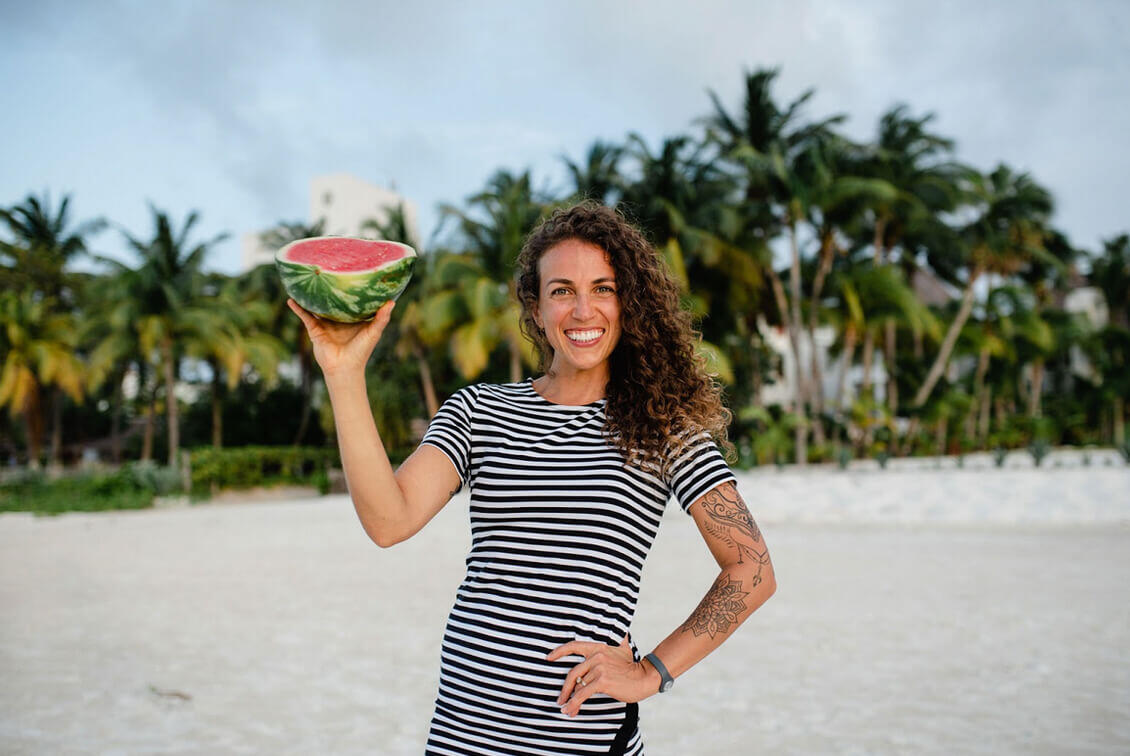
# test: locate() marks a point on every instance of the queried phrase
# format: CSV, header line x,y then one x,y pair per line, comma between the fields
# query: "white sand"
x,y
930,611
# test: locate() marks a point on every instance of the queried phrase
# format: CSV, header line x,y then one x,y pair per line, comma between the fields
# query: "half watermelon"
x,y
342,278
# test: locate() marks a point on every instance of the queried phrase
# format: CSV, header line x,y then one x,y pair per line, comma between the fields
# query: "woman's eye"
x,y
606,290
559,290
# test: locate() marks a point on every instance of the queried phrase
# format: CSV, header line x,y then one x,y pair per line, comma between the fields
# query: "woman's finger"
x,y
306,318
380,321
582,693
573,679
580,648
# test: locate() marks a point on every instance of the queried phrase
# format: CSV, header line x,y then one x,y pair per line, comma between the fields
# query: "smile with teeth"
x,y
586,336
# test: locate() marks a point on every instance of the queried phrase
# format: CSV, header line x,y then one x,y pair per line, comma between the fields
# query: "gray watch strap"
x,y
665,679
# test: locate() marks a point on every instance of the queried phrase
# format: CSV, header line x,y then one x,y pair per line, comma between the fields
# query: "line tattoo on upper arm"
x,y
730,521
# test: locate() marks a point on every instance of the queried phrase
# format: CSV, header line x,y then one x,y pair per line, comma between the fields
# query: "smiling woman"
x,y
569,477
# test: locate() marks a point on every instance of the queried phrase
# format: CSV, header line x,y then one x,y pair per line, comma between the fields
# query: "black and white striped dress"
x,y
560,529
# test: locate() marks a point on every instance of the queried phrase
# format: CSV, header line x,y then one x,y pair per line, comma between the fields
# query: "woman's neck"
x,y
578,388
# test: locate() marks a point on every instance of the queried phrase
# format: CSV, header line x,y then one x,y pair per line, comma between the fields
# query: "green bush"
x,y
249,466
1039,449
131,487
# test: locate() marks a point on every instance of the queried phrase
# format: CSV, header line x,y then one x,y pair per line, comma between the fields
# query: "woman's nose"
x,y
582,308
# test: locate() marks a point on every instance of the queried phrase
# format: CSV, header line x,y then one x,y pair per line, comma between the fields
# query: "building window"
x,y
327,198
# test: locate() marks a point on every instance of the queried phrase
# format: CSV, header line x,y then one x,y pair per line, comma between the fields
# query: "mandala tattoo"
x,y
720,610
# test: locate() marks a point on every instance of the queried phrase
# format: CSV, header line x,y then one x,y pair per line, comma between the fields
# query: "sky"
x,y
230,108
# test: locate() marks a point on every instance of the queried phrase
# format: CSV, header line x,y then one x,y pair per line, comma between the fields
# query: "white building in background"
x,y
781,388
345,203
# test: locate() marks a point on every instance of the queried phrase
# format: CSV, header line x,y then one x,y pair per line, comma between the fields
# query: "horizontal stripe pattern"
x,y
560,529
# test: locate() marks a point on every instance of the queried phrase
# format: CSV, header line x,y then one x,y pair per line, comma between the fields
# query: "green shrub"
x,y
1039,449
249,466
85,492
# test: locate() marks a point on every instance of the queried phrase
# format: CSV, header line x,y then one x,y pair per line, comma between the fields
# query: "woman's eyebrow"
x,y
605,279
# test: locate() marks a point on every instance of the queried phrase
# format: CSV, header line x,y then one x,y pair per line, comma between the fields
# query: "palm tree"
x,y
109,331
1009,229
1109,349
406,330
230,334
764,141
598,178
872,296
38,347
491,234
168,289
44,241
262,283
678,198
1110,272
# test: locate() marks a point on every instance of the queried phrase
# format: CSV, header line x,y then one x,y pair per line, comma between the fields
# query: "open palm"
x,y
343,346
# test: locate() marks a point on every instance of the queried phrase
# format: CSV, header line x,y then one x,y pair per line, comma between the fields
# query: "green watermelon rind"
x,y
347,297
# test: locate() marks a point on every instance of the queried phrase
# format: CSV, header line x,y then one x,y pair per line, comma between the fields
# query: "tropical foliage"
x,y
855,298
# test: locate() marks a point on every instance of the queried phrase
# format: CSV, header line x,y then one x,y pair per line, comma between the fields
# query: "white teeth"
x,y
582,337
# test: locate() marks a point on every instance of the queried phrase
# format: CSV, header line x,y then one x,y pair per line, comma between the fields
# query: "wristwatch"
x,y
665,679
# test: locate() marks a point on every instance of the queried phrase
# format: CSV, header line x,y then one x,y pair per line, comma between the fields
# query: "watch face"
x,y
666,686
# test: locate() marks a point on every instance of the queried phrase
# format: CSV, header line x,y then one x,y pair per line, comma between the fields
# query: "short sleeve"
x,y
698,469
450,430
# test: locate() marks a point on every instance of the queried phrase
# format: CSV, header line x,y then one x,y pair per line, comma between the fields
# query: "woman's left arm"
x,y
744,583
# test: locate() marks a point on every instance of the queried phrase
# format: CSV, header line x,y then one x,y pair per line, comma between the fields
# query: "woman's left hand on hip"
x,y
609,670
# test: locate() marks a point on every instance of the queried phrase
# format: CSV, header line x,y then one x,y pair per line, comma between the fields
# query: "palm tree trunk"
x,y
827,249
171,414
116,419
868,356
56,427
147,436
940,437
978,388
426,382
217,406
948,342
986,406
880,230
306,370
801,432
1037,388
1119,421
889,345
33,424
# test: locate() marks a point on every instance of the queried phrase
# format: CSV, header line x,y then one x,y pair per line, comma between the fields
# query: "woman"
x,y
569,475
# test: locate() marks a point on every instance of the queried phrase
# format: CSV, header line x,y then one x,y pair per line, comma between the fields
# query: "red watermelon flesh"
x,y
346,255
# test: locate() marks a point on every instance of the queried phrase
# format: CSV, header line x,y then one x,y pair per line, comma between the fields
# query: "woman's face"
x,y
578,306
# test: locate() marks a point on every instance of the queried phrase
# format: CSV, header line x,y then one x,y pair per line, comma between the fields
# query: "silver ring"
x,y
582,681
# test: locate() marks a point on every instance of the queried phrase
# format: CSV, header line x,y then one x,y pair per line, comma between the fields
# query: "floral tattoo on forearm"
x,y
725,603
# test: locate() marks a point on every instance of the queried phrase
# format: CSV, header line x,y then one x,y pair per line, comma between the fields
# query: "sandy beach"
x,y
918,611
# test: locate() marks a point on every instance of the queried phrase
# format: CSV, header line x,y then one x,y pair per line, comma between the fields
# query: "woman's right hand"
x,y
343,347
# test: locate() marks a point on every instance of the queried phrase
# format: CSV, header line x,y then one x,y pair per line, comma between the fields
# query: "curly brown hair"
x,y
659,395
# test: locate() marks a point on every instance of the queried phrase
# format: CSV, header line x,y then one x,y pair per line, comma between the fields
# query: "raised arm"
x,y
392,506
745,582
